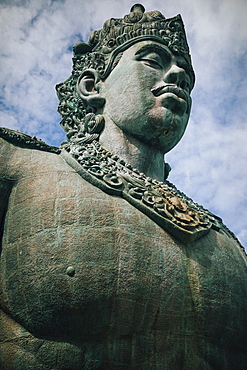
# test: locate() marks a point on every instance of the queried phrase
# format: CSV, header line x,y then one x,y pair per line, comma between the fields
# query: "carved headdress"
x,y
104,50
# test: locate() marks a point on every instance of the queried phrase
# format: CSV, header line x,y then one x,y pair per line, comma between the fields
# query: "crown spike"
x,y
138,8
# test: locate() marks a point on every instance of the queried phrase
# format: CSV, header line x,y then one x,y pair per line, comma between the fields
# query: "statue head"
x,y
136,71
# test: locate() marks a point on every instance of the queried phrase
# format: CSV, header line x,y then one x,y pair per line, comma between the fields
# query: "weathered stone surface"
x,y
137,298
104,266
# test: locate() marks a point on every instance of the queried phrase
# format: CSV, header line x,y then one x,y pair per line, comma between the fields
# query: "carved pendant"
x,y
162,202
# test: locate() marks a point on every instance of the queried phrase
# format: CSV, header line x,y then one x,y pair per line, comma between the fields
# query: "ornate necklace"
x,y
162,202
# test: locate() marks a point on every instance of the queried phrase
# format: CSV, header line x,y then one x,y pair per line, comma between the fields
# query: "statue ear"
x,y
88,90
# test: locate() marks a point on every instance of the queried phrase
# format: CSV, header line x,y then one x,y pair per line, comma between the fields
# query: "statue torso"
x,y
92,278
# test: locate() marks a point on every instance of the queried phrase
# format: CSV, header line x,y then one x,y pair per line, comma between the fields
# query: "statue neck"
x,y
147,159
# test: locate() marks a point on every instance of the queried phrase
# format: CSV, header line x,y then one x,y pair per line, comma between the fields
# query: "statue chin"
x,y
169,133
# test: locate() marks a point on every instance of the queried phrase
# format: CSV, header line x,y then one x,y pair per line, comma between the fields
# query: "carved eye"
x,y
152,60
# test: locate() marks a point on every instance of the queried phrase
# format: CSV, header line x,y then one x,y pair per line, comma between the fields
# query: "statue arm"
x,y
5,190
15,149
6,182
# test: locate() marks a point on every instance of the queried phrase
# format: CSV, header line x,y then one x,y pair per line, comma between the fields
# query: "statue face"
x,y
148,94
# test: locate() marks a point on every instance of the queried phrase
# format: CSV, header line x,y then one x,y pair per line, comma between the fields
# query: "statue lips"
x,y
173,92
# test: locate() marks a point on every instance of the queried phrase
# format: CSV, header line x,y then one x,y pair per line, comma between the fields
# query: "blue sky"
x,y
210,163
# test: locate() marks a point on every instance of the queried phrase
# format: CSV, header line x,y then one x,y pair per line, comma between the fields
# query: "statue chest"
x,y
79,265
72,253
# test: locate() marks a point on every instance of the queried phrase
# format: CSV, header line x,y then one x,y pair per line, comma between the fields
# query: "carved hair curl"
x,y
71,107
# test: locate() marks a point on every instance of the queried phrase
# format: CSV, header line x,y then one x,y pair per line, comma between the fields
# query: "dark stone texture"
x,y
104,266
138,298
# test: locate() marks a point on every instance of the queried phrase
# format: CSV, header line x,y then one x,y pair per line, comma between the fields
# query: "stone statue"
x,y
104,263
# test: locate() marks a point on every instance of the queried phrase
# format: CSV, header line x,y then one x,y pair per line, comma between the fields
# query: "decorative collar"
x,y
162,202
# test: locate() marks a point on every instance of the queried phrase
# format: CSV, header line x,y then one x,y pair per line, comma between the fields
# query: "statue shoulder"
x,y
16,150
20,139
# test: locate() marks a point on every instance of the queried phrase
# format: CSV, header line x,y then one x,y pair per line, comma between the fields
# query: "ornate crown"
x,y
118,34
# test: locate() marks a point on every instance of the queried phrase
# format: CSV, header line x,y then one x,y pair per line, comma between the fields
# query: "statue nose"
x,y
176,75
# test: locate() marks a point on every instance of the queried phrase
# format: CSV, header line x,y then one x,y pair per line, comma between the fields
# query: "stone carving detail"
x,y
24,140
87,280
162,202
116,32
105,48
